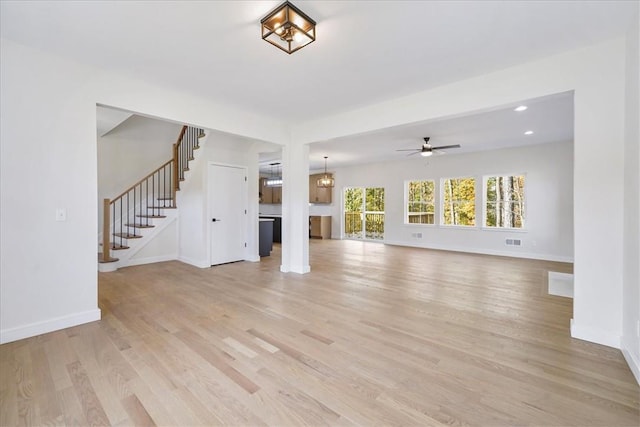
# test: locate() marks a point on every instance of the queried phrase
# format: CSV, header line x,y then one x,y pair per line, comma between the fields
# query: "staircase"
x,y
146,207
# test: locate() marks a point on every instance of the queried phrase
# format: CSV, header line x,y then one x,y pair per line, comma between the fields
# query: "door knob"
x,y
215,220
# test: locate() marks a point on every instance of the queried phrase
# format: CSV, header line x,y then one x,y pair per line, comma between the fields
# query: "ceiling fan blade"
x,y
411,149
444,147
413,154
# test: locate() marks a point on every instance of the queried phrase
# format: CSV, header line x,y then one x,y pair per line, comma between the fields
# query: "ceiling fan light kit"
x,y
288,28
427,149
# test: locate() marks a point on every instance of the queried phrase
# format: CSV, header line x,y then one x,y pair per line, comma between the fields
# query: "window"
x,y
364,213
421,205
504,201
459,201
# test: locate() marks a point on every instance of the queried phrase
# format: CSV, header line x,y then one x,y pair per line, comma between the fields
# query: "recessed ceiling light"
x,y
520,108
529,132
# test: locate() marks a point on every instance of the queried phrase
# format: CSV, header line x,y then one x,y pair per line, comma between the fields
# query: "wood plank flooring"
x,y
374,335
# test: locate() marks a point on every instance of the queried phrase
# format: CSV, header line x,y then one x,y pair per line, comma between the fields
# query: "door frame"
x,y
363,213
208,204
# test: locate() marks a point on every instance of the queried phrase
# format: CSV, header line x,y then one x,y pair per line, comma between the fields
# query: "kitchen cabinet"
x,y
277,227
266,193
318,194
276,195
320,227
269,195
265,235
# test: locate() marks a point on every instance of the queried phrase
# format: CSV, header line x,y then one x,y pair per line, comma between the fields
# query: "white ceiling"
x,y
366,51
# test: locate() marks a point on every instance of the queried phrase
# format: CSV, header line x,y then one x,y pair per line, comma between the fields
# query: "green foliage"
x,y
421,202
505,201
459,201
353,199
364,213
375,200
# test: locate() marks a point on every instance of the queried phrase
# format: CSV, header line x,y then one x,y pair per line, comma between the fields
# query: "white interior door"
x,y
227,213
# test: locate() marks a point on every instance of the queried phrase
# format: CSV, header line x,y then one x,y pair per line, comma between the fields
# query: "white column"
x,y
295,208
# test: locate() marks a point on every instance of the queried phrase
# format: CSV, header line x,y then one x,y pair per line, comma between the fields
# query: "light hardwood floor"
x,y
374,335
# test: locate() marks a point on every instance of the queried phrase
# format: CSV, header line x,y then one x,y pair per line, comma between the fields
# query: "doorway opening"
x,y
363,213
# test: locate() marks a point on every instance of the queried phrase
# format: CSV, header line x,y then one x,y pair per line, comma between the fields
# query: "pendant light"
x,y
326,181
274,180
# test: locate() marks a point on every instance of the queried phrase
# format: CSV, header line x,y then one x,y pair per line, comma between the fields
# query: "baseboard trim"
x,y
152,259
300,269
196,263
46,326
597,336
526,255
560,284
632,361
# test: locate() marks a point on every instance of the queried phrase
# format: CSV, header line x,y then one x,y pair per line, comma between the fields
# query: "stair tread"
x,y
151,216
128,235
161,207
104,261
140,225
118,247
164,198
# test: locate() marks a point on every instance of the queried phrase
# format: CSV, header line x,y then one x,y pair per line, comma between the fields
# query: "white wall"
x,y
193,204
548,192
48,157
131,151
48,117
163,246
596,74
631,288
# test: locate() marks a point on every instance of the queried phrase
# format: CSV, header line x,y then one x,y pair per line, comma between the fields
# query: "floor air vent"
x,y
513,242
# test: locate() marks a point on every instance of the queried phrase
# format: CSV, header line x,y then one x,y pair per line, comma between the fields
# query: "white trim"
x,y
203,263
598,336
406,200
483,201
252,259
138,244
526,255
46,326
560,284
300,269
150,260
634,364
440,206
209,203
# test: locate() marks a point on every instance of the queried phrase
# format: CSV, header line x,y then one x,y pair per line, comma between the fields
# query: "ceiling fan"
x,y
427,149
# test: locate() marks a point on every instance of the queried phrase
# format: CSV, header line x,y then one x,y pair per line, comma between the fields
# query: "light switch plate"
x,y
61,214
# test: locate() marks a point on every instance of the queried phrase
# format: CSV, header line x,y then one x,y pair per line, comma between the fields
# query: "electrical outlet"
x,y
61,214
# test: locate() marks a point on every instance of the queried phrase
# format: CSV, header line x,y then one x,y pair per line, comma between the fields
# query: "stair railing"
x,y
135,208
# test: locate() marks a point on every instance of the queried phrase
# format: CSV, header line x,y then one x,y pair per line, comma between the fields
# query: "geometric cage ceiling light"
x,y
288,28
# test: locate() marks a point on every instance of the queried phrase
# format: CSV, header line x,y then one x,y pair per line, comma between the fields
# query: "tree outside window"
x,y
459,201
421,206
504,201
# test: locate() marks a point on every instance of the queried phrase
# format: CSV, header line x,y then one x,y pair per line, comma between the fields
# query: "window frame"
x,y
406,203
442,200
485,200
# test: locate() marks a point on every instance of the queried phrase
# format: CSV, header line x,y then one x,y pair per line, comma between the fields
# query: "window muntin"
x,y
504,201
459,201
420,202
